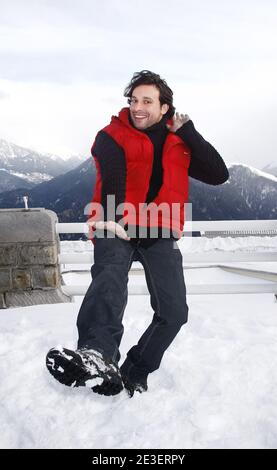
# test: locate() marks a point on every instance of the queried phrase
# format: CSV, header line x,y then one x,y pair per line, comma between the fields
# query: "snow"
x,y
216,387
197,244
255,171
34,177
10,151
7,150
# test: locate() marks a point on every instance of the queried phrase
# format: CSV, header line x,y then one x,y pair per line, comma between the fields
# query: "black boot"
x,y
132,386
134,378
84,367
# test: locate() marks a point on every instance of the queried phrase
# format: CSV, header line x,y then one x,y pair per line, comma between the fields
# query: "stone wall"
x,y
29,247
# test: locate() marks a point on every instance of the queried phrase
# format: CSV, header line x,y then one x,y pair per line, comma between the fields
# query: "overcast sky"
x,y
65,63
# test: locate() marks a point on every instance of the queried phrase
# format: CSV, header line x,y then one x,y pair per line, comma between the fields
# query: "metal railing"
x,y
258,280
201,226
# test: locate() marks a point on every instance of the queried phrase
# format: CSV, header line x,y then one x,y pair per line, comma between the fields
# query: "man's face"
x,y
145,107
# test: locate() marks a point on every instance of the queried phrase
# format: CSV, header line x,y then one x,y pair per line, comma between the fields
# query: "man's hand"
x,y
178,121
111,226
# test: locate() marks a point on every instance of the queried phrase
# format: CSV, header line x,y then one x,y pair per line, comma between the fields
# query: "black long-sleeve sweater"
x,y
206,164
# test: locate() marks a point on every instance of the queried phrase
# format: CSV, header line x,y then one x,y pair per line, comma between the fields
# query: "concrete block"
x,y
32,225
21,279
5,280
8,254
47,276
37,254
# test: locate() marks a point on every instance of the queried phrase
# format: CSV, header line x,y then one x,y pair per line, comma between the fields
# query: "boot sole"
x,y
67,367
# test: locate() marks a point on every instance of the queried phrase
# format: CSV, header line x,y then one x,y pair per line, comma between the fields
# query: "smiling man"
x,y
145,106
143,158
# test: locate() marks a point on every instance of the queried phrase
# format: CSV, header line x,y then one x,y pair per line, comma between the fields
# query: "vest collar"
x,y
123,117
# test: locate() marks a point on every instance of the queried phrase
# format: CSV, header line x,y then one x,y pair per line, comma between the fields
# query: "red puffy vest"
x,y
167,209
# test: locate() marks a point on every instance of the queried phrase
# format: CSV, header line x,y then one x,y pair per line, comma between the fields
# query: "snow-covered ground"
x,y
216,387
198,244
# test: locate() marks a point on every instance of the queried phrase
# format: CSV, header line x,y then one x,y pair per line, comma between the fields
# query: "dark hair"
x,y
145,77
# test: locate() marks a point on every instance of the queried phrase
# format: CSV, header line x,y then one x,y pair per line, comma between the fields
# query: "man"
x,y
143,159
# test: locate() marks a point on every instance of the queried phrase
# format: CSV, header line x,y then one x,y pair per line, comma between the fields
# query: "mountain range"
x,y
66,187
24,168
248,194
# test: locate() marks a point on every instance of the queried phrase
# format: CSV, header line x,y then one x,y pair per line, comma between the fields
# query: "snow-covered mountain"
x,y
248,194
10,181
29,166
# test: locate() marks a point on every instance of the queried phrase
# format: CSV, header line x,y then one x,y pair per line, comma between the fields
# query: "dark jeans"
x,y
100,317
